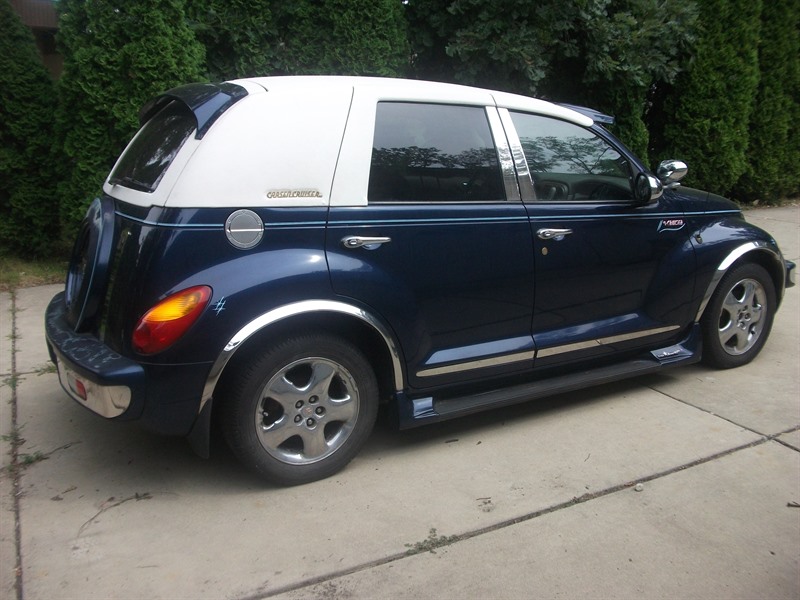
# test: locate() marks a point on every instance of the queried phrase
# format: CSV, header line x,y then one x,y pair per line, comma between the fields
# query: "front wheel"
x,y
302,409
738,319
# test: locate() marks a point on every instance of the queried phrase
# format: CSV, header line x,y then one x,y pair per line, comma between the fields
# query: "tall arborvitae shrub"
x,y
772,169
117,55
341,37
28,207
708,118
240,36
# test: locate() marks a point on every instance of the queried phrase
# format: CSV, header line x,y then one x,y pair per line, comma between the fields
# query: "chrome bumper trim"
x,y
107,401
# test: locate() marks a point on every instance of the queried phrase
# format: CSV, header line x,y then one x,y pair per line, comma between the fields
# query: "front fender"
x,y
718,249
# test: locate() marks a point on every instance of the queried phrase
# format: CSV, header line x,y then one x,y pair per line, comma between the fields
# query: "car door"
x,y
612,275
442,250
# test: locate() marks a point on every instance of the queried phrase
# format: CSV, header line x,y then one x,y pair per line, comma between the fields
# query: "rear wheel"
x,y
302,409
738,319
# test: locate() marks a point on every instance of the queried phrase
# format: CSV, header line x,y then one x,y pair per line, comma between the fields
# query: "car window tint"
x,y
146,159
569,162
433,153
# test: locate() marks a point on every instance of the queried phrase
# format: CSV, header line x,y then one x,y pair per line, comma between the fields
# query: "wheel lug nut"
x,y
313,400
310,422
320,410
297,418
298,404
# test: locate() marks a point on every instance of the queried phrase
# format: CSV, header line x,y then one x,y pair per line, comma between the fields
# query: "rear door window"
x,y
433,153
149,155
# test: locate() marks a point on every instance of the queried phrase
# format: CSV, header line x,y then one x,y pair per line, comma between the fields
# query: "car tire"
x,y
301,409
739,316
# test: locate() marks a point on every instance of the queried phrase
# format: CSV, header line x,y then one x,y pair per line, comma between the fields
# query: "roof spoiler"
x,y
593,114
206,101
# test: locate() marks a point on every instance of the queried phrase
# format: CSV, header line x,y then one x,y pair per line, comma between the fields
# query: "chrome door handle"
x,y
553,234
368,243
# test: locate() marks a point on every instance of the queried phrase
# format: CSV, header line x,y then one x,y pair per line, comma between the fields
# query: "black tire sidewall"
x,y
713,352
243,386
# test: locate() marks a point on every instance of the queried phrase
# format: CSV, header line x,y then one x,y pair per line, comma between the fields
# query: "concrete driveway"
x,y
539,500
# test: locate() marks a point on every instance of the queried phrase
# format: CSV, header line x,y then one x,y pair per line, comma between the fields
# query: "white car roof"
x,y
303,138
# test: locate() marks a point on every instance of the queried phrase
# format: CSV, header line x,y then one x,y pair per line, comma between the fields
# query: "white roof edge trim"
x,y
541,107
390,88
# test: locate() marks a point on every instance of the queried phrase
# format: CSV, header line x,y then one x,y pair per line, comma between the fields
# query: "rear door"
x,y
442,250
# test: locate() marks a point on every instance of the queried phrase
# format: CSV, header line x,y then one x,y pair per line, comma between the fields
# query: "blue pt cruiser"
x,y
283,254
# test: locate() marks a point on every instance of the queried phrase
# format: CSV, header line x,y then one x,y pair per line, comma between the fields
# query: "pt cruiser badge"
x,y
444,250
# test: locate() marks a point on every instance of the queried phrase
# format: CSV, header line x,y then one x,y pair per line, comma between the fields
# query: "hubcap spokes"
x,y
741,319
307,411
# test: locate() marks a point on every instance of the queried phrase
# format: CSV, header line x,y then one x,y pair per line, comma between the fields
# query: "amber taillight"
x,y
168,320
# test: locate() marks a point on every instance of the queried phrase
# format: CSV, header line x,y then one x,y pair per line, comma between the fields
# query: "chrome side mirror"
x,y
670,172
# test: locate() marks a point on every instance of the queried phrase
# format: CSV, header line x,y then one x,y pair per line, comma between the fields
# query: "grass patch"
x,y
21,273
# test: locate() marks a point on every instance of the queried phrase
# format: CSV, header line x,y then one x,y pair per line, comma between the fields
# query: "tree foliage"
x,y
117,55
603,53
501,45
342,37
239,36
264,37
27,102
708,116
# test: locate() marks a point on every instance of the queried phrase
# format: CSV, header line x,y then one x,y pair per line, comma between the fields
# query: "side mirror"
x,y
648,188
670,172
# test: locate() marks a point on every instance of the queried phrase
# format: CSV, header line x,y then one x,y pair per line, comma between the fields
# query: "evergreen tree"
x,y
707,121
240,36
117,55
28,207
264,37
772,170
341,37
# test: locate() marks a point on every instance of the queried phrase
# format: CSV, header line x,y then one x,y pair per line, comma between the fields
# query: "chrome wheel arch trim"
x,y
735,255
292,310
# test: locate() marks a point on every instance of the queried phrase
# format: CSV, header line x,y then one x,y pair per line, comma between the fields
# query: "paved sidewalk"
x,y
537,500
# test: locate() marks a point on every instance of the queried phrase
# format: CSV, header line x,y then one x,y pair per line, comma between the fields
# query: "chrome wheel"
x,y
307,411
299,409
741,319
738,319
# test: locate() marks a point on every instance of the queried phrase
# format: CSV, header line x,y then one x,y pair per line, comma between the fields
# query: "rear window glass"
x,y
146,159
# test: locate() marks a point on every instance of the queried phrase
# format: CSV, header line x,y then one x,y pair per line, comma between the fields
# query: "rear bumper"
x,y
164,398
90,372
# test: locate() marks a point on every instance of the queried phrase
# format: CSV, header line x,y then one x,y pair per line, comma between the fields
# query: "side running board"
x,y
431,409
